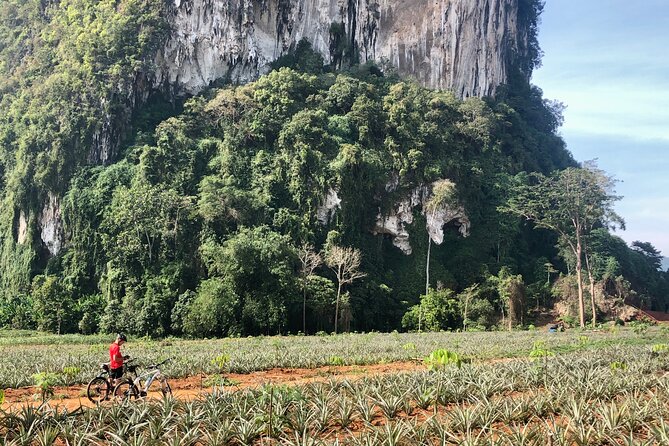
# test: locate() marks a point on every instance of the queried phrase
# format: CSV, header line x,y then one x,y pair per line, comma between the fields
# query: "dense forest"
x,y
265,208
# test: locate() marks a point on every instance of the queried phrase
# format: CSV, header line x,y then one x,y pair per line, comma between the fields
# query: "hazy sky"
x,y
608,61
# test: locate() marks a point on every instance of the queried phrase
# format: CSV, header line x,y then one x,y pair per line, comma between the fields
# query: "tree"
x,y
443,194
53,305
213,311
599,217
650,252
511,290
259,266
466,297
309,261
345,263
442,311
570,203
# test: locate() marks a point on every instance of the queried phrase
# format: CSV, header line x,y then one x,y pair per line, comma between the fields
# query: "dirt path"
x,y
71,398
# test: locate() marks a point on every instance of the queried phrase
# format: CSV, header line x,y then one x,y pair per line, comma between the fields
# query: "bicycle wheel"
x,y
165,388
126,390
98,390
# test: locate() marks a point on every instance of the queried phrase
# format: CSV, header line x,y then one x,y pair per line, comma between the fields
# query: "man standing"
x,y
116,358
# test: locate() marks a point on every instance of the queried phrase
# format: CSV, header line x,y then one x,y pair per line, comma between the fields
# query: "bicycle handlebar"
x,y
152,366
155,366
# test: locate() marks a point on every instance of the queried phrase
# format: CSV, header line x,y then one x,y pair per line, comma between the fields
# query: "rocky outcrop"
x,y
463,45
326,212
395,223
22,230
51,227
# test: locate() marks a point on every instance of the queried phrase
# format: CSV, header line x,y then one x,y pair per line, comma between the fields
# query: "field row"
x,y
617,395
78,363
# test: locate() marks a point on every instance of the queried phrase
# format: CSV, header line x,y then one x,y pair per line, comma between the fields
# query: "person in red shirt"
x,y
116,358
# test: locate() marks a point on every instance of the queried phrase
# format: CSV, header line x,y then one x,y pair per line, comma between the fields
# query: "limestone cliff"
x,y
463,45
396,222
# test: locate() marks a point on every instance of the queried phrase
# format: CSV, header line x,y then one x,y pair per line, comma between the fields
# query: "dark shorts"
x,y
116,373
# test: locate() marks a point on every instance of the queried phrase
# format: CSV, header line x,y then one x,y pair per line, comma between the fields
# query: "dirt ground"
x,y
74,397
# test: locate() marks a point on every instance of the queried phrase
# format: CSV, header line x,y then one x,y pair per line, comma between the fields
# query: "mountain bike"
x,y
101,386
131,388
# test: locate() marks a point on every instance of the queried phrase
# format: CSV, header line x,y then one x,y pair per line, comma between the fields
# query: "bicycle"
x,y
101,386
132,388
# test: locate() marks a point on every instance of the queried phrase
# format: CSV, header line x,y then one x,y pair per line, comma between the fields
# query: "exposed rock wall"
x,y
463,45
401,215
51,226
326,212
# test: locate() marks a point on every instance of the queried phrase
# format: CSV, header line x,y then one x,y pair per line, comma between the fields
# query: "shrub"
x,y
442,358
438,310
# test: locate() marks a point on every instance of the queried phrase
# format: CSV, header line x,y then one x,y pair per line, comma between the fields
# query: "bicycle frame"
x,y
149,378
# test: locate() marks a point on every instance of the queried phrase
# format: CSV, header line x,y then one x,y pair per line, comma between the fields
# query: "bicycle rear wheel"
x,y
98,390
125,391
165,388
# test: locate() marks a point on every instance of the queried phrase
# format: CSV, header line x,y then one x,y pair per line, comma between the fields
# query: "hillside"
x,y
127,206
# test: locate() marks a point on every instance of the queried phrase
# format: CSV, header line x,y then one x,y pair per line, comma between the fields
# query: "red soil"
x,y
74,397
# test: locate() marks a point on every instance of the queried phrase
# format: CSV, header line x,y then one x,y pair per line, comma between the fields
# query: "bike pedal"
x,y
142,393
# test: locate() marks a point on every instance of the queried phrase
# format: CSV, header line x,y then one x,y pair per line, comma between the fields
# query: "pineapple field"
x,y
607,387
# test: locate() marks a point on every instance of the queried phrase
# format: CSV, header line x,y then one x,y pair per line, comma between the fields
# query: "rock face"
x,y
51,227
463,45
326,212
396,221
22,231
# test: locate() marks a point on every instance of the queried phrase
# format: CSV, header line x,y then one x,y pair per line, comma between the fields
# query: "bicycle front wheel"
x,y
125,391
165,388
97,390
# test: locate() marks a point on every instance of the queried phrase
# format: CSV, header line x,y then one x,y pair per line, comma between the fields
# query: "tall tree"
x,y
309,261
345,263
571,203
605,217
443,194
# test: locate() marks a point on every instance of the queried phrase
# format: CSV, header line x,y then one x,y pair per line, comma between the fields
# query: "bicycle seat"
x,y
105,366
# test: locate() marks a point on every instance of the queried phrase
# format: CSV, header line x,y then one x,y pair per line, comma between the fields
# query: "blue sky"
x,y
608,61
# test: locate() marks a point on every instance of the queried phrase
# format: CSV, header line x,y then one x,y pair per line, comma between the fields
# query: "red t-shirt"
x,y
115,350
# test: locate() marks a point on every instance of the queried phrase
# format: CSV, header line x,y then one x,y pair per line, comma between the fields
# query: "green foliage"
x,y
213,311
336,361
301,58
442,358
660,348
45,382
70,374
540,350
221,361
440,311
569,321
53,305
639,327
618,365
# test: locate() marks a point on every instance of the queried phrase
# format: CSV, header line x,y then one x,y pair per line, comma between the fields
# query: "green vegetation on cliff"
x,y
71,74
196,221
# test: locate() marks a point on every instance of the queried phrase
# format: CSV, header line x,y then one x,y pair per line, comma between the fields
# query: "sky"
x,y
608,62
